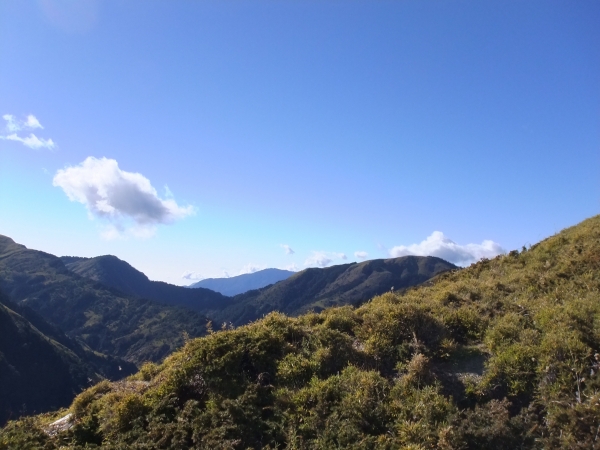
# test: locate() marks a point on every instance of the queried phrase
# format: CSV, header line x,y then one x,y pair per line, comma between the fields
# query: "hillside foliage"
x,y
501,355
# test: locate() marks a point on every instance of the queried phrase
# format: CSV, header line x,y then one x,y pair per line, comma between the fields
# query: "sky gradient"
x,y
203,137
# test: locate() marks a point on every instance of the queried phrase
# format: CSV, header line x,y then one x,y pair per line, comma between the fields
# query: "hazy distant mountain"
x,y
242,283
316,289
120,275
40,367
103,318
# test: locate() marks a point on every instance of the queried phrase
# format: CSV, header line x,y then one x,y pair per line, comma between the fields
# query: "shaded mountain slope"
x,y
345,284
242,283
501,355
119,274
40,368
105,319
107,366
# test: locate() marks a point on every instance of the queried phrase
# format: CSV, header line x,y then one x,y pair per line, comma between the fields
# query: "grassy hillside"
x,y
118,274
501,355
105,319
317,289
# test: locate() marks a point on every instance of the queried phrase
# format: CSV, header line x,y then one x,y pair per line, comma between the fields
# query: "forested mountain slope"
x,y
26,354
42,369
501,355
106,320
119,274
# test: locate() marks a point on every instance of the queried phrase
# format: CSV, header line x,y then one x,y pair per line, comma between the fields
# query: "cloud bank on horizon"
x,y
13,126
191,276
361,255
323,259
119,197
437,244
251,268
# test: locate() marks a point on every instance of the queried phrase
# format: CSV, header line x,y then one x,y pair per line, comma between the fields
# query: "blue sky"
x,y
332,127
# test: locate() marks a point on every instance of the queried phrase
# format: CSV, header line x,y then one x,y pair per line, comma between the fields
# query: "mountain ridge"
x,y
239,284
103,318
119,274
345,284
309,289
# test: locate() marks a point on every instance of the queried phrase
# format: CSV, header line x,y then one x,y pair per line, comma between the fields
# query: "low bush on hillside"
x,y
501,355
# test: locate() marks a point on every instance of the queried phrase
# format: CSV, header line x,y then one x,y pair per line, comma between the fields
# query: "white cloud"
x,y
292,267
323,259
112,233
192,276
31,141
361,255
13,125
142,231
32,122
288,249
318,259
118,196
116,231
250,268
439,245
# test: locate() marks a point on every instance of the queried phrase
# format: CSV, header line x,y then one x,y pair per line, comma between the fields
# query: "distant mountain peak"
x,y
239,284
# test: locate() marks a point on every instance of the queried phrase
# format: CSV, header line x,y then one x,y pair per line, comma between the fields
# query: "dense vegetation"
x,y
103,319
501,355
41,369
